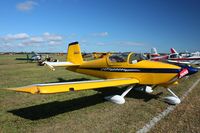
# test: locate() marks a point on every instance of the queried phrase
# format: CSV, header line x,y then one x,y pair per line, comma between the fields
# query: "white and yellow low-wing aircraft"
x,y
115,70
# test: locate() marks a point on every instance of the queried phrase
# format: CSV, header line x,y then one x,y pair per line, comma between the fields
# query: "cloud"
x,y
6,45
26,5
11,37
55,43
31,41
121,43
44,39
36,39
101,43
52,37
101,34
20,44
130,43
23,39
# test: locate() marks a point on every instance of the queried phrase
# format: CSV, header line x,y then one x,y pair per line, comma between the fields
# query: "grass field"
x,y
85,111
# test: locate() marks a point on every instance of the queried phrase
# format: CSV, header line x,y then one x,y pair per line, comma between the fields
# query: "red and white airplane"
x,y
175,57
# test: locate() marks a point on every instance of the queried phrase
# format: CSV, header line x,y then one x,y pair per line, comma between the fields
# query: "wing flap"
x,y
73,86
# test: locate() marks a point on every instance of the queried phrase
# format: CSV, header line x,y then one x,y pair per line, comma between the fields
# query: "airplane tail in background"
x,y
154,51
173,51
74,53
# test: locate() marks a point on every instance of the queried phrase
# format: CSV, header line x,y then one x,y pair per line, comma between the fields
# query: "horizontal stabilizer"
x,y
73,86
51,65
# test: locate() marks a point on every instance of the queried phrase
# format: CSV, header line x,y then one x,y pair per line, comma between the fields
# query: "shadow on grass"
x,y
22,59
25,61
71,80
47,110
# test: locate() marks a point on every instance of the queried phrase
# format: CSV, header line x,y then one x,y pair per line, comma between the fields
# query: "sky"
x,y
99,25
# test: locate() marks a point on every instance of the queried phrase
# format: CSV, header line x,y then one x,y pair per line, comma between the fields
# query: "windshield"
x,y
119,57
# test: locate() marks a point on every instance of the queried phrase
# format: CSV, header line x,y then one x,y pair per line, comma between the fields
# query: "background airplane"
x,y
120,69
155,56
33,56
175,57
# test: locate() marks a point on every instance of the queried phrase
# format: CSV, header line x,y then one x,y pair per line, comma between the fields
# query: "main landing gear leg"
x,y
172,99
119,99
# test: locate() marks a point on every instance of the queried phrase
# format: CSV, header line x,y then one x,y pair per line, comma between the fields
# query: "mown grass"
x,y
186,117
83,111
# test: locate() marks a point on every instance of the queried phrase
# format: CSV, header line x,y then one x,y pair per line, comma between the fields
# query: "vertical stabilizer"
x,y
74,53
154,51
173,51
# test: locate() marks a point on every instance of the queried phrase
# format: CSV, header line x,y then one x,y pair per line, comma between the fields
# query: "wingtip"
x,y
26,89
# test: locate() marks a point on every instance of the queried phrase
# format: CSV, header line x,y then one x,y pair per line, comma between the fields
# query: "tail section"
x,y
154,54
74,53
154,51
173,51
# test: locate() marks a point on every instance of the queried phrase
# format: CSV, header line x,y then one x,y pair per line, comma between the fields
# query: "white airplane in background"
x,y
31,57
175,57
34,56
155,56
196,54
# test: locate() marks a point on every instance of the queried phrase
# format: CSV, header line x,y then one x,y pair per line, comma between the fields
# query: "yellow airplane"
x,y
115,70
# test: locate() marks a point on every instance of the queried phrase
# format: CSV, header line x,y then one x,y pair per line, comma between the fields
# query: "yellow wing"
x,y
74,86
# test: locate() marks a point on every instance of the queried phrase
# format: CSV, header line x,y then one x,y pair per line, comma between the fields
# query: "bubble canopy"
x,y
126,57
